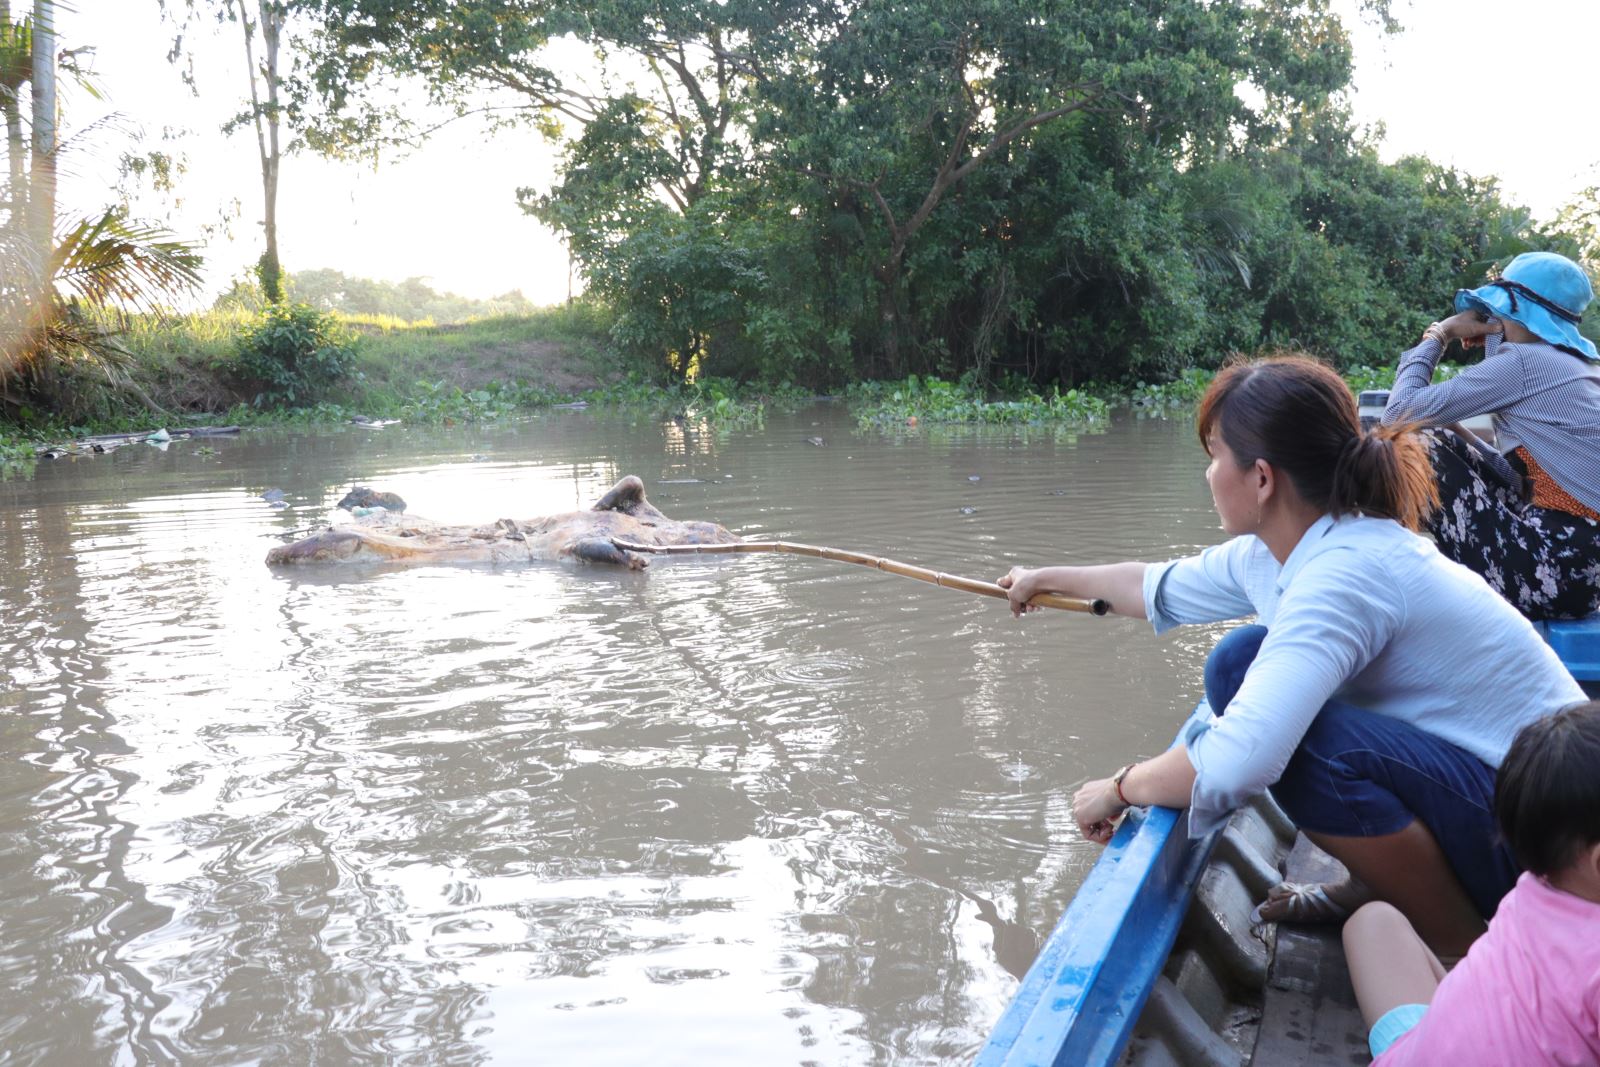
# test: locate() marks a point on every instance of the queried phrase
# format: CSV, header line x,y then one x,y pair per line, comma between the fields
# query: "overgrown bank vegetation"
x,y
238,367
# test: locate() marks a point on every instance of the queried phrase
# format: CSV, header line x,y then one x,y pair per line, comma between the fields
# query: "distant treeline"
x,y
411,301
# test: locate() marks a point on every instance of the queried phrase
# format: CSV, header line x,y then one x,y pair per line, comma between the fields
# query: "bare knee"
x,y
1376,923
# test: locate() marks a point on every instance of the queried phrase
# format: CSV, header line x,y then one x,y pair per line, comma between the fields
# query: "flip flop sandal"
x,y
1300,903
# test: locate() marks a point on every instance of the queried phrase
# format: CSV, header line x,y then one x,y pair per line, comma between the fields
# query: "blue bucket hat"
x,y
1542,291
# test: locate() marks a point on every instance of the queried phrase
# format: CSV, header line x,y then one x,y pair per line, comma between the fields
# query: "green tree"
x,y
1061,189
654,135
275,100
662,106
899,104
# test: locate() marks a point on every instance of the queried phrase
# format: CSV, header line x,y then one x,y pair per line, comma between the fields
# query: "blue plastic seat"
x,y
1578,645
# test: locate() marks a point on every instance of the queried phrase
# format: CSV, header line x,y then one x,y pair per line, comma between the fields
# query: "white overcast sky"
x,y
1457,85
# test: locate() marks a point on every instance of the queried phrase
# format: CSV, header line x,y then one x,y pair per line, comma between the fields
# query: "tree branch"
x,y
1018,129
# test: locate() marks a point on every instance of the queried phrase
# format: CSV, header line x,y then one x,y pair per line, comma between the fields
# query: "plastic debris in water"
x,y
159,437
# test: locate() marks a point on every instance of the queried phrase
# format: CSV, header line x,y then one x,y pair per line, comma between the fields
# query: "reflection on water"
x,y
737,807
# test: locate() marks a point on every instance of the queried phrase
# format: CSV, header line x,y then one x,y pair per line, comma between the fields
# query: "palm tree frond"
x,y
110,260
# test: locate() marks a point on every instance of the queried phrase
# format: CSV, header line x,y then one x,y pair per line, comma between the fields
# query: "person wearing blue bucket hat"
x,y
1542,292
1523,512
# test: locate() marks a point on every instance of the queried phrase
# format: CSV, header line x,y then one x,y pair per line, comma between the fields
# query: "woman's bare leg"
x,y
1409,870
1389,964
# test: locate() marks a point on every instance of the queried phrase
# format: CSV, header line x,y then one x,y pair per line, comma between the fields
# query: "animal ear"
x,y
624,496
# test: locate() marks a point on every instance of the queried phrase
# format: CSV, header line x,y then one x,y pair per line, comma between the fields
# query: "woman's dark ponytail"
x,y
1385,472
1298,415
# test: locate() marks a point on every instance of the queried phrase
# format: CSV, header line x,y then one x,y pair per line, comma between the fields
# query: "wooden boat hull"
x,y
1154,962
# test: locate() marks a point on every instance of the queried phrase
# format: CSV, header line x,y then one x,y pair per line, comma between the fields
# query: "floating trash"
x,y
974,477
273,495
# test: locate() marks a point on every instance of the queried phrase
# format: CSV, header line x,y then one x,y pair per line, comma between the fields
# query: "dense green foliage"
x,y
1065,190
294,353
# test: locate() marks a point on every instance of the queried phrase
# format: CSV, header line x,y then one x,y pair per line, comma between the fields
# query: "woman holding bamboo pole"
x,y
1382,683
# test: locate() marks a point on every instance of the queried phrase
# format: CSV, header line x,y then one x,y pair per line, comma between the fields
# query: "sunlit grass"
x,y
416,372
190,362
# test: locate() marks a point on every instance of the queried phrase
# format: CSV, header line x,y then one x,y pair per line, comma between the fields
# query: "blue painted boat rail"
x,y
1079,1001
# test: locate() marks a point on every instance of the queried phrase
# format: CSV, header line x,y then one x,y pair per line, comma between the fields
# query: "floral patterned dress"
x,y
1544,560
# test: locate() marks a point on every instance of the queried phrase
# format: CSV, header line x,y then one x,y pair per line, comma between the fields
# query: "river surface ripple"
x,y
723,811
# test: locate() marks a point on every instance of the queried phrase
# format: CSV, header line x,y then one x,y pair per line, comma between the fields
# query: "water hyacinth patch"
x,y
917,400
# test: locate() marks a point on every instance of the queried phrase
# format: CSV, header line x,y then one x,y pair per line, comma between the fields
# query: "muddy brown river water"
x,y
758,809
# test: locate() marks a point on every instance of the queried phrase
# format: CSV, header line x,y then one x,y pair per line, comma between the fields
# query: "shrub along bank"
x,y
296,365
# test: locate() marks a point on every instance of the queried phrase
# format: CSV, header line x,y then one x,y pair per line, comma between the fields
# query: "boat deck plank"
x,y
1309,1015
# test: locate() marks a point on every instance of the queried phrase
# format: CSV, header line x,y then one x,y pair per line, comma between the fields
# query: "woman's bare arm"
x,y
1119,584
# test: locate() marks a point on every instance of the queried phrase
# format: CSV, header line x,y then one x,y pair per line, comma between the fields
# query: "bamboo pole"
x,y
890,566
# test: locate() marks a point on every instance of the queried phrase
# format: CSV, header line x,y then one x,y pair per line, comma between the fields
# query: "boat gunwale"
x,y
1079,1002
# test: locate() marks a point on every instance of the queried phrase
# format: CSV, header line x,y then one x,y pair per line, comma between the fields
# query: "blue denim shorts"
x,y
1356,773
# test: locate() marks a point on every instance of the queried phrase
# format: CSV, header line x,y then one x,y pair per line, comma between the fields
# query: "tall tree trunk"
x,y
890,317
17,149
270,15
11,104
41,216
42,195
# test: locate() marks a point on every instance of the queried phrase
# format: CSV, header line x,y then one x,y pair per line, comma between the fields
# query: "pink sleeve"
x,y
1594,1010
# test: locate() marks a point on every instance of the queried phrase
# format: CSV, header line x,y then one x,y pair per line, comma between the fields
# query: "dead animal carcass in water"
x,y
622,514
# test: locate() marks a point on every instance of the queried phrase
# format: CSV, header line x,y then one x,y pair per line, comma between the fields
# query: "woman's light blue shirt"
x,y
1367,612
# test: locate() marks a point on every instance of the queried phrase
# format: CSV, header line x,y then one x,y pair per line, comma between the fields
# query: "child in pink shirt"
x,y
1528,992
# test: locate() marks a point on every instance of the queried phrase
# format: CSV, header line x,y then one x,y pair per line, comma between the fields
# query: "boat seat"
x,y
1578,645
